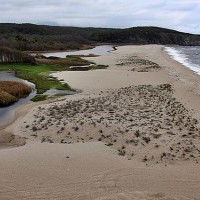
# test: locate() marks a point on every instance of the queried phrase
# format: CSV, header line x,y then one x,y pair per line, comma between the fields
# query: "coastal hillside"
x,y
41,37
30,37
148,35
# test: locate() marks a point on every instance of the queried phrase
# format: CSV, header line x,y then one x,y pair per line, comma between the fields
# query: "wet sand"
x,y
132,134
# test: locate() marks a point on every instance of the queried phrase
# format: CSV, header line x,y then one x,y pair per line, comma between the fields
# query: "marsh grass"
x,y
87,68
39,74
93,67
39,98
12,91
6,98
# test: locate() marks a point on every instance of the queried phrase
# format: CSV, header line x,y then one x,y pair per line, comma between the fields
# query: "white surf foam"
x,y
180,57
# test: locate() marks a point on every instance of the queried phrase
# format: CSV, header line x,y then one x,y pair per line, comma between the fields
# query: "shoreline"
x,y
176,55
96,170
187,85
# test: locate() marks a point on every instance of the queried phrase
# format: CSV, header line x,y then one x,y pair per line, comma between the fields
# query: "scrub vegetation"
x,y
30,37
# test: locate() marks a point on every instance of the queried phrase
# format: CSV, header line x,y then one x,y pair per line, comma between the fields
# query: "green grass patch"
x,y
38,74
39,98
93,67
60,95
87,68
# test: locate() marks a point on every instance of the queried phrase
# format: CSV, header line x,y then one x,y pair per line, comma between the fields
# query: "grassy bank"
x,y
87,68
39,73
12,91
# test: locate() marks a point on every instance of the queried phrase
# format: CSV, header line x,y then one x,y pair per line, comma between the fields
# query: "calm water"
x,y
7,114
99,50
188,56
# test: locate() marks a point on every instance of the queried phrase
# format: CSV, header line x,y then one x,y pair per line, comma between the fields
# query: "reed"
x,y
12,91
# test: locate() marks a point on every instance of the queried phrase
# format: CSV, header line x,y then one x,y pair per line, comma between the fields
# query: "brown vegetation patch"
x,y
66,62
138,64
142,122
11,91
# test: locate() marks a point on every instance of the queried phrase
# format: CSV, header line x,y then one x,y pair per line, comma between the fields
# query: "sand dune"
x,y
131,134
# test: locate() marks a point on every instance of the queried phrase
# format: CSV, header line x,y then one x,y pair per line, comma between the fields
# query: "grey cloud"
x,y
177,14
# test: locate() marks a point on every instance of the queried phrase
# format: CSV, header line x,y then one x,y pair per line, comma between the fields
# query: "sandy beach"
x,y
133,133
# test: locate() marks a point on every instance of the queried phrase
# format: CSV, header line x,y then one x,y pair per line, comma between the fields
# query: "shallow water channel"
x,y
7,114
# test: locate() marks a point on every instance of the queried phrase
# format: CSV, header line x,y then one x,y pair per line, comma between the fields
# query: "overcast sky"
x,y
182,15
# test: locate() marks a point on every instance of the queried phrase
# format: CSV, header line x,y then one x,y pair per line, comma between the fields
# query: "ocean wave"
x,y
179,56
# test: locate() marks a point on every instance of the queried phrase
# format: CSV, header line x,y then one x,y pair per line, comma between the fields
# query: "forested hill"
x,y
41,37
148,35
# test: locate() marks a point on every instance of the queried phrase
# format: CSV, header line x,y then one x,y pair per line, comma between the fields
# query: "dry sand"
x,y
133,133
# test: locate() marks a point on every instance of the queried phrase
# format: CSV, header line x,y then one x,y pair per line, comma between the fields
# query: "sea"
x,y
188,56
